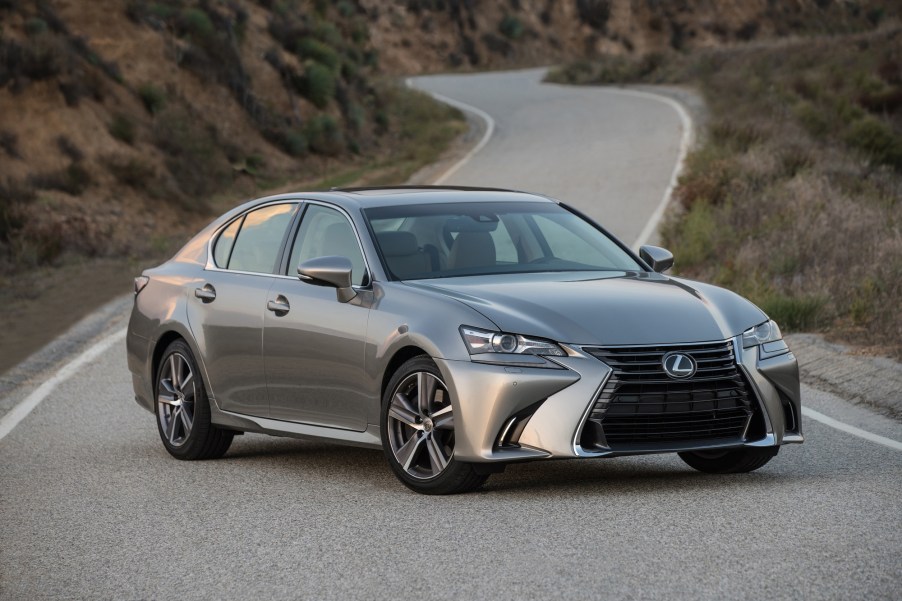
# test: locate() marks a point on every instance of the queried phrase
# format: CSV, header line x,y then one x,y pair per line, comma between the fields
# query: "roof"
x,y
381,196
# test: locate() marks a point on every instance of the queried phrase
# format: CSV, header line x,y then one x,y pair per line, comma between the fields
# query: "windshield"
x,y
485,238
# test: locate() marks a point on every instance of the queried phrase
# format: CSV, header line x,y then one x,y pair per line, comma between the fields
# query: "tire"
x,y
735,461
418,433
183,409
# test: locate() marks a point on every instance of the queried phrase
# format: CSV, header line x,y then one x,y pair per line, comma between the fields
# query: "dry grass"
x,y
794,198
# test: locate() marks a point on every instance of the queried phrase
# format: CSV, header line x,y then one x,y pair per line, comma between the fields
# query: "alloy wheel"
x,y
176,395
421,425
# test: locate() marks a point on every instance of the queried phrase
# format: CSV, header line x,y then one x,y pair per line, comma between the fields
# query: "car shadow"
x,y
633,474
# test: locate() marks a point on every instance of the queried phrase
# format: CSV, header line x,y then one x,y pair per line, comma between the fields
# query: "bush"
x,y
153,97
324,135
9,142
511,27
594,13
877,140
797,314
313,49
294,143
193,156
73,180
195,23
122,128
132,172
68,148
35,26
318,85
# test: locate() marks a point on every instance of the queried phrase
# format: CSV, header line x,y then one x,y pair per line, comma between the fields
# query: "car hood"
x,y
615,308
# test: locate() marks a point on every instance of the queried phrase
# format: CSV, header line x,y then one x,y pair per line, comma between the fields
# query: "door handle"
x,y
279,306
206,294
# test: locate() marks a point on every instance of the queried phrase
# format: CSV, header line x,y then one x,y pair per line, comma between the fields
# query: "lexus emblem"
x,y
679,365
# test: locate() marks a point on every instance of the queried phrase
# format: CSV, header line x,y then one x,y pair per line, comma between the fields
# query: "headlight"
x,y
484,341
763,333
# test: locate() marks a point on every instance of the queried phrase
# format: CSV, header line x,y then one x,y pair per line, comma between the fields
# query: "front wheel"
x,y
417,429
732,461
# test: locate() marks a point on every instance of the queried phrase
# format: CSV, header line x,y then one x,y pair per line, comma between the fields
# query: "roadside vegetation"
x,y
794,194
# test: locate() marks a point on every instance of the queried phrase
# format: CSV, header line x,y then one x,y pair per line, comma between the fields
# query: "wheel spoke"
x,y
173,424
173,371
187,420
400,410
443,419
408,451
186,385
436,455
426,385
168,399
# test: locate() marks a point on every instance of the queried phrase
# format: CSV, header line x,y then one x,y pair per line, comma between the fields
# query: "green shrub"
x,y
345,8
35,26
193,155
132,172
196,23
153,97
324,135
293,142
511,27
318,85
254,162
877,140
123,128
794,313
813,119
314,49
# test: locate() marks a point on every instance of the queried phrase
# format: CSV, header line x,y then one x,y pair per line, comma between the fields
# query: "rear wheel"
x,y
729,461
418,432
183,410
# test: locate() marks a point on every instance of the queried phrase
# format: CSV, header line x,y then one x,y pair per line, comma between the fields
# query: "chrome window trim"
x,y
211,265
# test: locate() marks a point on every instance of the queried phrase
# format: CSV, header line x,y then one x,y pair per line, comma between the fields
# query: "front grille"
x,y
641,406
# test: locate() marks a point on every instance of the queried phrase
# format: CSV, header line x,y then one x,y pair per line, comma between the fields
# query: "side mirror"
x,y
659,259
329,271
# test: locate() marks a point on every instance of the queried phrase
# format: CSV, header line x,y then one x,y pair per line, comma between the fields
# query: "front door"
x,y
313,344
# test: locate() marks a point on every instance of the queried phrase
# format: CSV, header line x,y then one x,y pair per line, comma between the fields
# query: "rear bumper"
x,y
505,413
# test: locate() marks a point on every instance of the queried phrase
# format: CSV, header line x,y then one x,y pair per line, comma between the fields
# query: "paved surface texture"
x,y
91,506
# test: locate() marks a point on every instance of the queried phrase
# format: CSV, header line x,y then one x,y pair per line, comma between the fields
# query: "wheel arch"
x,y
399,358
167,337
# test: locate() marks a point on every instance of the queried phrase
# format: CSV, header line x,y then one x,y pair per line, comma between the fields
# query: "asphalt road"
x,y
91,506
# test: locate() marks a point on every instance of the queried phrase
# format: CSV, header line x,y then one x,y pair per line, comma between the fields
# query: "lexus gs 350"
x,y
457,329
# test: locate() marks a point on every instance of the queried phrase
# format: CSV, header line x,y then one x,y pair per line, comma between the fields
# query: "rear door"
x,y
226,308
314,350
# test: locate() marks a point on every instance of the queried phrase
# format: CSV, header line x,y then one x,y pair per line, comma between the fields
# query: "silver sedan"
x,y
457,329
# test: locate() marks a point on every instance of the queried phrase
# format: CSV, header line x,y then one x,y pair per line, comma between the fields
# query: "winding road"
x,y
91,506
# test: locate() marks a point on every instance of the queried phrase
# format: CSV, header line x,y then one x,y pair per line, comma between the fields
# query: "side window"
x,y
325,232
224,243
256,248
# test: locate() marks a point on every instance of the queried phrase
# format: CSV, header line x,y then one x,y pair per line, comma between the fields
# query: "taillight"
x,y
140,282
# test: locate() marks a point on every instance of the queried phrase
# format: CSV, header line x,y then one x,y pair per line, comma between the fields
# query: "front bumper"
x,y
509,413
